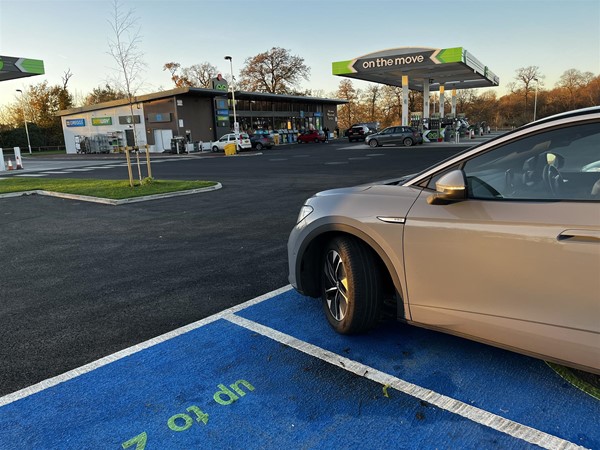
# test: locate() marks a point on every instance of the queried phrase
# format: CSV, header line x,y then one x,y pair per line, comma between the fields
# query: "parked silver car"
x,y
499,244
398,135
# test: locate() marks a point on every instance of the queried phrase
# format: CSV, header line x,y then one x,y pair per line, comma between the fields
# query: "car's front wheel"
x,y
351,285
259,146
373,143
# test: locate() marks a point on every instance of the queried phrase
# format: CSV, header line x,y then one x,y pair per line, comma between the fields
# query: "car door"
x,y
388,136
515,263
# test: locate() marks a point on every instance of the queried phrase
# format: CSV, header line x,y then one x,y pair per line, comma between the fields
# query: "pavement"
x,y
271,373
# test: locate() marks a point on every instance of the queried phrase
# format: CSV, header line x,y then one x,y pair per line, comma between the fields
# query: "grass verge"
x,y
113,189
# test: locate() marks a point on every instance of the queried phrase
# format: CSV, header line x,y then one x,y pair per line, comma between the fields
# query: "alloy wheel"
x,y
336,285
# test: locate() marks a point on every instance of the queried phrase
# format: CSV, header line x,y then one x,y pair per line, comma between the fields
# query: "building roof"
x,y
451,67
200,92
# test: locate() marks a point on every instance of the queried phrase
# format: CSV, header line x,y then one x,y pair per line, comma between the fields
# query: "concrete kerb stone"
x,y
108,201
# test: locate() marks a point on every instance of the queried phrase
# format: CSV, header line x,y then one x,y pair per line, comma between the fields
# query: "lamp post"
x,y
236,128
537,82
25,120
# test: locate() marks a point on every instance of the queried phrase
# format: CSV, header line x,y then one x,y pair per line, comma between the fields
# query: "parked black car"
x,y
359,133
373,127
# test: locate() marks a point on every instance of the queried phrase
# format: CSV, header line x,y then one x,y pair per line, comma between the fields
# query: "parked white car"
x,y
243,143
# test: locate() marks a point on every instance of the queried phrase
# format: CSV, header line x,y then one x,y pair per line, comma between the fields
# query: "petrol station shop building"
x,y
195,114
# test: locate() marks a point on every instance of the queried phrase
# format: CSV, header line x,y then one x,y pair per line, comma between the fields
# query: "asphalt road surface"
x,y
79,281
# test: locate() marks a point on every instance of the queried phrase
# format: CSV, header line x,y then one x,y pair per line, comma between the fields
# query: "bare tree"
x,y
276,71
371,97
527,79
572,81
198,75
348,112
124,48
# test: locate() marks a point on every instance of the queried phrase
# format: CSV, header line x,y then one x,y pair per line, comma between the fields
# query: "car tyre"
x,y
316,140
259,146
408,142
351,285
373,143
215,149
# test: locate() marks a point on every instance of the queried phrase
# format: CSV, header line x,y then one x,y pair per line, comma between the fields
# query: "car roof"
x,y
564,115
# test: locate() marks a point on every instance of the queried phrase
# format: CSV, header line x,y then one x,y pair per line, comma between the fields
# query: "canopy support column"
x,y
426,98
405,100
454,102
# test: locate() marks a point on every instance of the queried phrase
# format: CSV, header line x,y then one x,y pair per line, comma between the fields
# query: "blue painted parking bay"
x,y
272,374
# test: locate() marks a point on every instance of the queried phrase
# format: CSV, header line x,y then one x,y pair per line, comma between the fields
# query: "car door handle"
x,y
580,235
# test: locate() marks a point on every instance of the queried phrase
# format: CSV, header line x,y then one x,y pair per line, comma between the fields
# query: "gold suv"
x,y
499,244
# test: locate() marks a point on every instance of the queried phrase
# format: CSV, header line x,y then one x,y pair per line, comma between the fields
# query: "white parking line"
x,y
449,404
50,382
31,175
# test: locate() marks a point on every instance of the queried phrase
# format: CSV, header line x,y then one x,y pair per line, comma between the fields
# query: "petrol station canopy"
x,y
14,67
454,68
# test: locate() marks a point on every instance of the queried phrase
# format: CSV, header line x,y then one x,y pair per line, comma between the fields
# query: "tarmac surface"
x,y
83,283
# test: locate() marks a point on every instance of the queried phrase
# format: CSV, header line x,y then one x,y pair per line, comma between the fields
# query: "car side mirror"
x,y
450,188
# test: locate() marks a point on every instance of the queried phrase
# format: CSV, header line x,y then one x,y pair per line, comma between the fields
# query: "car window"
x,y
551,165
389,130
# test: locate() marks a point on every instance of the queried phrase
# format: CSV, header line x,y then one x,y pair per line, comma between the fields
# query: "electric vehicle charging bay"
x,y
271,373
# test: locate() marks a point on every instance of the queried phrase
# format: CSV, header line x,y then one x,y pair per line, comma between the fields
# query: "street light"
x,y
537,82
25,120
236,127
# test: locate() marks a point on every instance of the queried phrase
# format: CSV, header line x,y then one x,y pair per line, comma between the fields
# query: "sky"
x,y
73,35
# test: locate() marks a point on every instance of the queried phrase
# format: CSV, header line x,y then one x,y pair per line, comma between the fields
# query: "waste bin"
x,y
448,135
230,149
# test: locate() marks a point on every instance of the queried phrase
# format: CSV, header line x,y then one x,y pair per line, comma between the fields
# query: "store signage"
x,y
318,114
220,84
394,61
159,117
75,122
100,121
126,120
223,112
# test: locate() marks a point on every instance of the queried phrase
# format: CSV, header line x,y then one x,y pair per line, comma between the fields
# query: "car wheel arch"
x,y
308,264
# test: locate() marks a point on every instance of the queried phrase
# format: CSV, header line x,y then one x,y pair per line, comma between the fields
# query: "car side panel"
x,y
499,270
